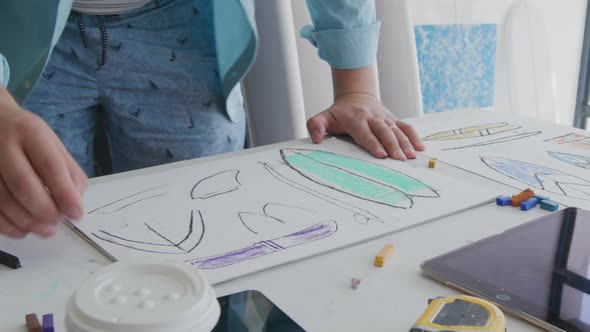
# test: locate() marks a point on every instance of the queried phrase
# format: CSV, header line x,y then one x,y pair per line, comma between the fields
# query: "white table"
x,y
315,292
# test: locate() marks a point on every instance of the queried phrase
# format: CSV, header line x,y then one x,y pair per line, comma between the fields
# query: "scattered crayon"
x,y
383,255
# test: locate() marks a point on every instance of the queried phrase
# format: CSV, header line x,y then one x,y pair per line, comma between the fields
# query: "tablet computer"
x,y
538,271
252,311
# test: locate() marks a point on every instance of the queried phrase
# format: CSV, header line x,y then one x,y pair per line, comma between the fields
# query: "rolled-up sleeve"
x,y
4,71
345,32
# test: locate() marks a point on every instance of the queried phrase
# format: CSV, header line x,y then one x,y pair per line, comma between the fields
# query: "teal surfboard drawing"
x,y
357,178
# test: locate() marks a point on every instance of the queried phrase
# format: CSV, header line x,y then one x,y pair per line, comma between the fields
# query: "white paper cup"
x,y
144,297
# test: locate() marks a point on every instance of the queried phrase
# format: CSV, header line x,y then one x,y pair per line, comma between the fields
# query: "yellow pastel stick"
x,y
383,255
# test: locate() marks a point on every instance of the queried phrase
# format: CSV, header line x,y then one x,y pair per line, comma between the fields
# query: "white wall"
x,y
564,21
315,73
283,90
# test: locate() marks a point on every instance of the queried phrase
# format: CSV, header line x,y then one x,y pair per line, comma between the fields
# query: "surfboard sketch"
x,y
499,132
164,244
361,216
472,132
541,177
265,247
572,159
357,178
573,140
275,218
216,184
130,200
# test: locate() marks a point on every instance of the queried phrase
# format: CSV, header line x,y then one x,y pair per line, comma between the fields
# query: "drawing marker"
x,y
48,323
33,324
529,204
383,255
9,260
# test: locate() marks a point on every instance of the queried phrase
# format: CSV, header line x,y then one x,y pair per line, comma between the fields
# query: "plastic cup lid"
x,y
144,296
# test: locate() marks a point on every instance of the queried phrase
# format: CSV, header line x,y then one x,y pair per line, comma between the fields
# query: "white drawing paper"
x,y
523,153
239,215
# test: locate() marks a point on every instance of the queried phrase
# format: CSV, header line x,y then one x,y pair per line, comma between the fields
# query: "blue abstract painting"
x,y
456,64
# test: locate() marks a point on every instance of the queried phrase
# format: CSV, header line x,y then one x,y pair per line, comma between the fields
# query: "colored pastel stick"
x,y
354,283
383,255
9,260
504,200
529,204
33,324
48,323
549,205
521,197
541,198
432,163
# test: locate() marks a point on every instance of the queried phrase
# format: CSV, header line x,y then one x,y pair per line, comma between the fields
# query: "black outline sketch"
x,y
559,187
96,210
408,196
580,164
453,135
218,191
497,140
265,247
174,248
334,201
581,143
265,214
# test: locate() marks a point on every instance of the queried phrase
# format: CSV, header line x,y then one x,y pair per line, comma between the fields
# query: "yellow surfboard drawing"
x,y
472,132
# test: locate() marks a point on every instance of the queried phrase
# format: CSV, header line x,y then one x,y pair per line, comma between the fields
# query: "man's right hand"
x,y
40,182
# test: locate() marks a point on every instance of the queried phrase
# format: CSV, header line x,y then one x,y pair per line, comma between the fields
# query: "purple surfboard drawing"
x,y
309,234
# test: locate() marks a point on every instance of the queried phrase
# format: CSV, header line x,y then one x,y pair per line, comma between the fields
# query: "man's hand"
x,y
371,125
40,182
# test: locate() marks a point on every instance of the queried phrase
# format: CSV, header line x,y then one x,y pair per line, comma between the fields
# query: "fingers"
x,y
51,167
412,135
9,229
387,138
24,184
318,125
364,136
79,178
13,211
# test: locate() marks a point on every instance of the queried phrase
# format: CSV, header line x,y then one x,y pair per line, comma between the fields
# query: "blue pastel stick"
x,y
48,323
529,204
541,198
504,200
549,205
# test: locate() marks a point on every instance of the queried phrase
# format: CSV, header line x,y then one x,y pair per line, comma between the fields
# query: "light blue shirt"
x,y
345,33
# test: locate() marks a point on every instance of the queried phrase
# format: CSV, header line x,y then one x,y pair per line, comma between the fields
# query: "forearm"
x,y
355,81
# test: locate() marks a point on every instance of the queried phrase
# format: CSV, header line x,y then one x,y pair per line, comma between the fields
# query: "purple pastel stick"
x,y
48,323
262,248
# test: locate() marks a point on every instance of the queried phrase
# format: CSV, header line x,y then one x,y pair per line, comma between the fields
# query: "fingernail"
x,y
50,230
315,134
420,145
381,153
76,213
410,153
398,154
